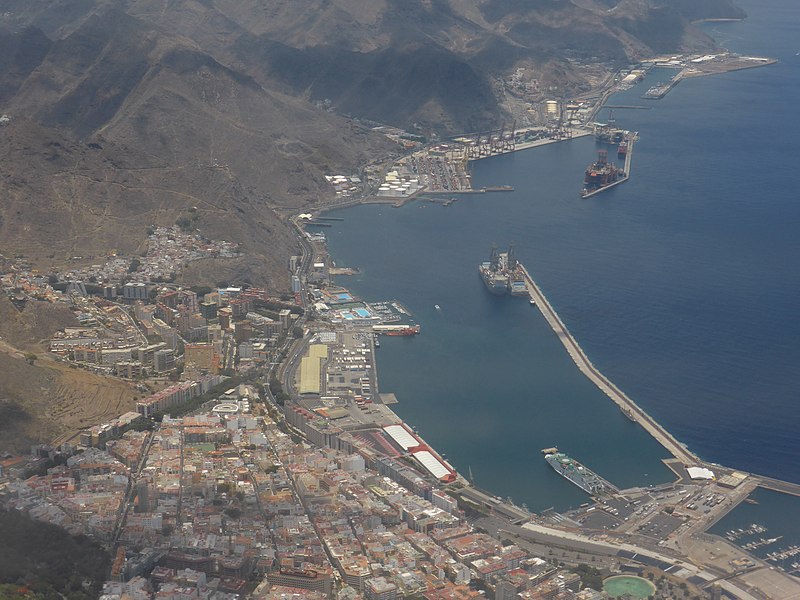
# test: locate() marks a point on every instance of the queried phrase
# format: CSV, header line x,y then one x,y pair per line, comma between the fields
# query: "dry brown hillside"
x,y
118,125
41,399
131,113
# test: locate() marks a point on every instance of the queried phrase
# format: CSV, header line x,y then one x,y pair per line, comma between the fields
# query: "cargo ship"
x,y
502,273
586,479
410,330
395,330
600,175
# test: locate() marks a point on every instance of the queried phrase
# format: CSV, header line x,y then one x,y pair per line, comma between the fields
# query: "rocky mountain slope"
x,y
126,113
131,113
116,127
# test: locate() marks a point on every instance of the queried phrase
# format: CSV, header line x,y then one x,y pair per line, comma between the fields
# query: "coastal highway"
x,y
586,367
574,547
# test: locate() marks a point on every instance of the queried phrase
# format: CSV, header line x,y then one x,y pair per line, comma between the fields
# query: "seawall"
x,y
586,367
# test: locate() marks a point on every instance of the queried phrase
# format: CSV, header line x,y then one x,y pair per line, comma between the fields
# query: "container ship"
x,y
502,273
601,174
586,479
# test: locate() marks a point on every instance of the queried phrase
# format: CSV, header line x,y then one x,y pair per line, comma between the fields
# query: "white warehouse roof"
x,y
700,473
401,436
432,464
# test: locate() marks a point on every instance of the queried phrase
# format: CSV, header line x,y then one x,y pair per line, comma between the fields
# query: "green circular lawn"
x,y
622,585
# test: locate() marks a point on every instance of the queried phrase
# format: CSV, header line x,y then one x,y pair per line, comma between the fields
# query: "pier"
x,y
586,367
626,169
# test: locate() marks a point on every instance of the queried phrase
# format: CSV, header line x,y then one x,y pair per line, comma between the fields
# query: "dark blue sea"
x,y
682,285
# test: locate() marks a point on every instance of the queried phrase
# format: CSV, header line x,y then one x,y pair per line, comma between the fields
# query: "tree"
x,y
201,290
30,357
134,266
590,576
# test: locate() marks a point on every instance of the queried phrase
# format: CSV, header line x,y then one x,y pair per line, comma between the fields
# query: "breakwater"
x,y
586,367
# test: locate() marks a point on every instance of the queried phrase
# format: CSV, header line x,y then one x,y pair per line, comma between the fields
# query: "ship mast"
x,y
511,258
494,258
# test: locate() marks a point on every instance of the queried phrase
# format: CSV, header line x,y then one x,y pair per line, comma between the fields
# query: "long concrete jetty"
x,y
586,367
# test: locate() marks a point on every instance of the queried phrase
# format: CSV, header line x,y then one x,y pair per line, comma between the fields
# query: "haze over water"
x,y
681,285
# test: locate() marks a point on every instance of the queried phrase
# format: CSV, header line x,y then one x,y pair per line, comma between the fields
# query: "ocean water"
x,y
779,513
681,285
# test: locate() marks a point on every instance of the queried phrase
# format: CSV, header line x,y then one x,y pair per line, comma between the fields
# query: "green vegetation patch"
x,y
628,586
42,561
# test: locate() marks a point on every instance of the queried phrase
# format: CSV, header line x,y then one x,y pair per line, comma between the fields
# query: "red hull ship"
x,y
412,330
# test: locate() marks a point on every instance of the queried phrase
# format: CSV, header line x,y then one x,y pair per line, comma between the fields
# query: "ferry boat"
x,y
586,479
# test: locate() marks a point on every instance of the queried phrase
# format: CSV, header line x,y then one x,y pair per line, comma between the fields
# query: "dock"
x,y
626,169
586,367
659,91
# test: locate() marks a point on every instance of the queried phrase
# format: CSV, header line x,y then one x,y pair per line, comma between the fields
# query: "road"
x,y
129,492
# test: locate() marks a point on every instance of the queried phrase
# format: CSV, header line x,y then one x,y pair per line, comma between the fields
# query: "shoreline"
x,y
658,432
661,434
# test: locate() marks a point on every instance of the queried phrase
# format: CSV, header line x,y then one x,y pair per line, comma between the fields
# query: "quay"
x,y
482,190
659,91
586,367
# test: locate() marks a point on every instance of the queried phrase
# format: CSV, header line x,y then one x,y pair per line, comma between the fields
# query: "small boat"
x,y
437,307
